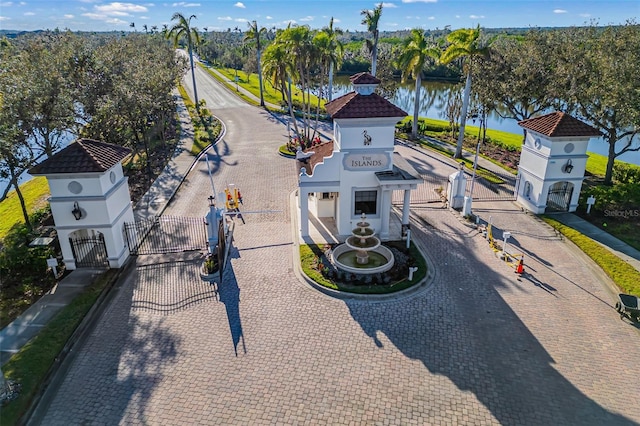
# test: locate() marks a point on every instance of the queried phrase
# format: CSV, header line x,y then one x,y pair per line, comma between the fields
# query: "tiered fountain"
x,y
362,253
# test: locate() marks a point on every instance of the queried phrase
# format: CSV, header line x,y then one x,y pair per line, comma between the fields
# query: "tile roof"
x,y
363,78
82,156
355,105
559,124
320,153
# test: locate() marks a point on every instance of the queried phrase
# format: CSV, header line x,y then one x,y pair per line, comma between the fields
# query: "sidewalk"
x,y
15,335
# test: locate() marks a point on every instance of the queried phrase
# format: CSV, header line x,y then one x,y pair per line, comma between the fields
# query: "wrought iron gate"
x,y
165,234
496,186
89,252
559,197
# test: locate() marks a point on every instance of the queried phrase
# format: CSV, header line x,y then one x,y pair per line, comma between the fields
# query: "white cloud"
x,y
225,18
268,17
476,16
95,16
4,18
419,1
431,18
69,16
559,11
117,7
289,21
240,5
6,4
241,20
29,14
457,16
116,21
185,4
306,19
388,5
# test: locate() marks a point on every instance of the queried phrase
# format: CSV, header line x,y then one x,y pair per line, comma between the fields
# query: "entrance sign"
x,y
376,162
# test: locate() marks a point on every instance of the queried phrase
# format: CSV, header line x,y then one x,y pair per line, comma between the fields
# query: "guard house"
x,y
553,162
358,171
90,202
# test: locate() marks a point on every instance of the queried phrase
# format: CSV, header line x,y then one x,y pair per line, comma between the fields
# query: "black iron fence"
x,y
165,234
89,252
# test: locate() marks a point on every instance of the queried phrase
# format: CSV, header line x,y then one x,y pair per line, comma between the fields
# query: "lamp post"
x,y
468,201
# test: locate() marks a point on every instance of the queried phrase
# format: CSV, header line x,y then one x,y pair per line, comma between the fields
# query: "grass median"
x,y
625,276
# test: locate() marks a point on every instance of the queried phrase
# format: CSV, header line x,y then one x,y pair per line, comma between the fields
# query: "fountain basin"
x,y
345,258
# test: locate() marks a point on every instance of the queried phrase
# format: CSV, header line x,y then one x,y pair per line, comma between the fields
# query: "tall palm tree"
x,y
183,29
464,44
416,50
371,19
337,51
254,33
278,68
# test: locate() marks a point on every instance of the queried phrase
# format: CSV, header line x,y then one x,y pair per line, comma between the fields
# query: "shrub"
x,y
626,173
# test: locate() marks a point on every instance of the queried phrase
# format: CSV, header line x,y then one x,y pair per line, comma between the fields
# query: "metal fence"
x,y
89,252
165,234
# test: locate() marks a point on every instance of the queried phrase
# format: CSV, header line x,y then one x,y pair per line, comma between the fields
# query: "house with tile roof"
x,y
552,162
90,202
358,170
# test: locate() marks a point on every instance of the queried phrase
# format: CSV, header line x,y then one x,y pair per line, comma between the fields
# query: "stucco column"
x,y
67,253
384,214
406,206
304,212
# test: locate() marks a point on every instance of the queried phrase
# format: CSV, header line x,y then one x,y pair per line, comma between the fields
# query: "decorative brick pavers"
x,y
477,346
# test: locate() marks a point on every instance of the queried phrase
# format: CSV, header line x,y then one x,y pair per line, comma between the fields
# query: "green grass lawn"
x,y
271,95
35,193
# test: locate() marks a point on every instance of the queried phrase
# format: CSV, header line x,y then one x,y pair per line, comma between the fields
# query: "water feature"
x,y
362,252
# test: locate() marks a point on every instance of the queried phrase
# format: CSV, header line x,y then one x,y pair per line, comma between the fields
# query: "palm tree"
x,y
371,19
254,34
278,68
334,54
464,44
416,49
183,29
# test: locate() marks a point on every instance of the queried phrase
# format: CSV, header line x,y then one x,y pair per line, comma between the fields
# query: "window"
x,y
365,202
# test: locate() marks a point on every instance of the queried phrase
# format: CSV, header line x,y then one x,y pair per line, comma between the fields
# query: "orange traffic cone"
x,y
520,266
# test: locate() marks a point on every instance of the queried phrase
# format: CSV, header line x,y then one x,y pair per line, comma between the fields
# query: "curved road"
x,y
478,346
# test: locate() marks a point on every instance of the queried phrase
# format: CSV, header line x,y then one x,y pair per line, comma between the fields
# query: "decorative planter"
x,y
207,276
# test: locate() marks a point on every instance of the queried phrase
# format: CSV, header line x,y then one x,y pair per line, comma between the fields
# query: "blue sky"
x,y
98,15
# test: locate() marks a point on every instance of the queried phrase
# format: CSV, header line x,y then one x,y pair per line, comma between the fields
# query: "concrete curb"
x,y
414,290
60,366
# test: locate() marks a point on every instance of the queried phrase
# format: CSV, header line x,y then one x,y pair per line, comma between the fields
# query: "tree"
x,y
277,70
464,44
515,78
416,50
182,29
254,33
371,20
597,76
335,56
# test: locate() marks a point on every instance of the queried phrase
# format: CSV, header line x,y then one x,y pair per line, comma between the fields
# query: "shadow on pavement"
x,y
464,330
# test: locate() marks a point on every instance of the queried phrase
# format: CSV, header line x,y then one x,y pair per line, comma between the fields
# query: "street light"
x,y
468,201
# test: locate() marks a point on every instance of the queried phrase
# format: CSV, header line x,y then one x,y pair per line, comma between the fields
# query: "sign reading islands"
x,y
376,162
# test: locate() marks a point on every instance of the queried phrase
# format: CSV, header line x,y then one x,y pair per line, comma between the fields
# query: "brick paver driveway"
x,y
477,346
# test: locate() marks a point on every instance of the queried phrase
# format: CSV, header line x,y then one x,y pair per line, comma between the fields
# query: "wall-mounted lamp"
x,y
76,212
567,167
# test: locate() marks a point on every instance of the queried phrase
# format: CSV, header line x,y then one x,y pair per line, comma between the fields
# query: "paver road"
x,y
477,346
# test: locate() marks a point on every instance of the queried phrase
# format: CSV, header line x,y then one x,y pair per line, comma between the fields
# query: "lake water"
x,y
434,95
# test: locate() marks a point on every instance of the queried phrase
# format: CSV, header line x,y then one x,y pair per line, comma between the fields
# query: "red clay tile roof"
x,y
82,156
355,105
320,153
559,124
364,78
